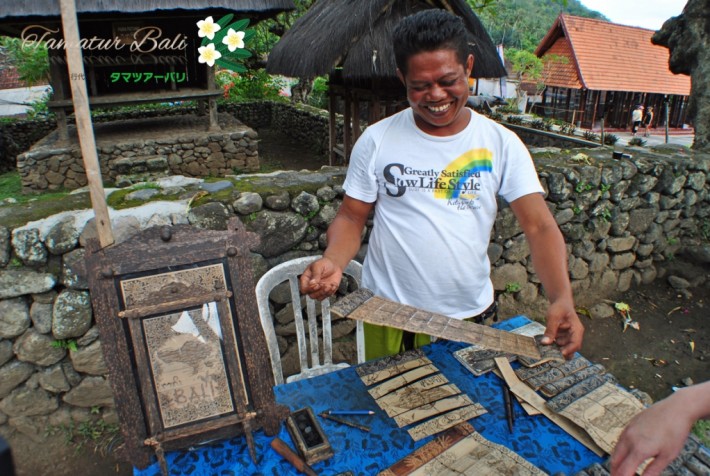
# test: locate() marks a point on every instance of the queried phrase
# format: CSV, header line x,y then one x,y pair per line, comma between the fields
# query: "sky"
x,y
647,13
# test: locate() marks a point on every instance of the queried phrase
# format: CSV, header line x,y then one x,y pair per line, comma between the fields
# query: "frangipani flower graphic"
x,y
208,54
234,39
223,42
207,28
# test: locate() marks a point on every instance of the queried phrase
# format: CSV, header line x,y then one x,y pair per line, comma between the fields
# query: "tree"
x,y
268,32
523,23
529,68
31,61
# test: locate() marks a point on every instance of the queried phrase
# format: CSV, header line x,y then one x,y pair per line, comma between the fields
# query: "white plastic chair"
x,y
290,271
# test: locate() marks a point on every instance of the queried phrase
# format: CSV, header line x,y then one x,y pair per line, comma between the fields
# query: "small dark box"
x,y
308,436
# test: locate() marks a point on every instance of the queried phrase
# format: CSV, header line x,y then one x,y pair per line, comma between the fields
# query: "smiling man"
x,y
434,172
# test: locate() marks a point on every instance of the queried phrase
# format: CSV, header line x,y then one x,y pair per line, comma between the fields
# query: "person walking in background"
x,y
647,120
636,118
659,432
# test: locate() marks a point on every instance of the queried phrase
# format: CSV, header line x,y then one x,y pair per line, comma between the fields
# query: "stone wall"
x,y
191,152
18,136
43,165
306,124
538,138
45,168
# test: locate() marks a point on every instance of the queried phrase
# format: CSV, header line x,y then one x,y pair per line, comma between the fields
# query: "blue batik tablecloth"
x,y
535,438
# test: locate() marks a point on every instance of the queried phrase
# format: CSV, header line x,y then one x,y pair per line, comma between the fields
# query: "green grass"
x,y
31,207
11,187
701,429
95,434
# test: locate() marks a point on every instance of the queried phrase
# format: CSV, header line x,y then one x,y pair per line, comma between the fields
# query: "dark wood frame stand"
x,y
158,256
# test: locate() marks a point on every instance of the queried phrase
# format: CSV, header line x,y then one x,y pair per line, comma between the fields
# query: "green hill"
x,y
523,23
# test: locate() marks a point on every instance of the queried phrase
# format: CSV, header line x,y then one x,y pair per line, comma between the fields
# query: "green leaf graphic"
x,y
225,19
239,25
231,65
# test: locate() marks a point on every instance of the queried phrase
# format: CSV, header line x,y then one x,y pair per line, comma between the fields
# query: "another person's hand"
x,y
659,432
564,328
321,279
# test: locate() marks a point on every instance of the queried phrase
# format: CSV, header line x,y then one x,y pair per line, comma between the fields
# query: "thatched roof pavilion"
x,y
356,35
351,40
170,68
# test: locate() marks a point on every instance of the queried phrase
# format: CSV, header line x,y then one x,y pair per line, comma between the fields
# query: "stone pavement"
x,y
656,138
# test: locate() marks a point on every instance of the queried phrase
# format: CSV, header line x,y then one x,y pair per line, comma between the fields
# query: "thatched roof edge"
x,y
357,35
50,8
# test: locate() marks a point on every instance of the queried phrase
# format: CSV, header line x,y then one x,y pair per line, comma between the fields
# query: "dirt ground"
x,y
671,345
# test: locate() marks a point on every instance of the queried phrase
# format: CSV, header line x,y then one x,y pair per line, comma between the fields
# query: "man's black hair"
x,y
429,30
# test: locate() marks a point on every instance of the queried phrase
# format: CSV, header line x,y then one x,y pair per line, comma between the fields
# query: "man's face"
x,y
437,90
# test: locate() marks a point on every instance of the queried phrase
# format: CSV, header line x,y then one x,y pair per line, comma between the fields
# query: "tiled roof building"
x,y
607,70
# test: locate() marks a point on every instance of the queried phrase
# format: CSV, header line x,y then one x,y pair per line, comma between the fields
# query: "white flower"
x,y
208,54
207,28
234,39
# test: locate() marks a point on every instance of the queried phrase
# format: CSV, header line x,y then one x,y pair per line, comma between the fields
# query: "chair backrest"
x,y
290,271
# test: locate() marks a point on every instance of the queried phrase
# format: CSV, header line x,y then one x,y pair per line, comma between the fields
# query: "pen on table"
x,y
345,422
508,406
350,412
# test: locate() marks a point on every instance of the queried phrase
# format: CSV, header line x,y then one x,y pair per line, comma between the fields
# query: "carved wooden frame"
x,y
179,255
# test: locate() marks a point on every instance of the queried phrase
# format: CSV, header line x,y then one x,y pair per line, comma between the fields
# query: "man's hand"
x,y
564,328
321,279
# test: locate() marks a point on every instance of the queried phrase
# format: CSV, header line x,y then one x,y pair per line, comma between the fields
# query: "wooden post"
x,y
59,92
84,127
602,130
332,139
665,102
356,117
212,102
347,127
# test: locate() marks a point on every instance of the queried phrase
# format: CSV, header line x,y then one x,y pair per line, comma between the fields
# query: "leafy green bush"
x,y
512,287
610,139
637,141
510,108
31,60
319,93
251,85
514,119
591,136
567,128
39,108
538,124
496,116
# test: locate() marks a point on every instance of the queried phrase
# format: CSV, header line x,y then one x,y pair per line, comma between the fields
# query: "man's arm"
x,y
549,256
660,431
322,278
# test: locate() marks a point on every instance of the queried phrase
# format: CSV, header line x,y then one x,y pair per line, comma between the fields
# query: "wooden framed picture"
x,y
182,338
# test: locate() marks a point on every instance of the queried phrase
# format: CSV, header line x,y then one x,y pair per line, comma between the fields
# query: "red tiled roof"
x,y
605,56
564,73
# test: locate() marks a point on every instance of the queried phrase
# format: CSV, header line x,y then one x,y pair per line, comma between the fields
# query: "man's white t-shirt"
x,y
436,206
